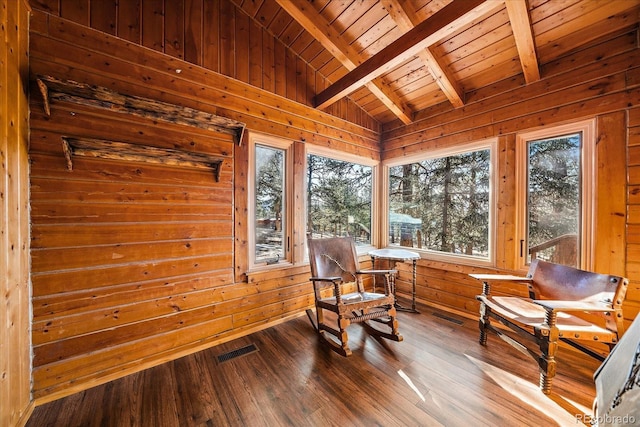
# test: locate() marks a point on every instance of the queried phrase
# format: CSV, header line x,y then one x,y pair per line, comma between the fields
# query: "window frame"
x,y
328,152
490,144
587,183
287,147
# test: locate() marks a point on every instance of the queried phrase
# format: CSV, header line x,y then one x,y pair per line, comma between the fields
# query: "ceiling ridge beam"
x,y
446,21
321,30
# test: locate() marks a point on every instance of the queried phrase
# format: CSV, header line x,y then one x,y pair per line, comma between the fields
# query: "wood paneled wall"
x,y
15,339
137,264
214,34
601,81
124,252
133,264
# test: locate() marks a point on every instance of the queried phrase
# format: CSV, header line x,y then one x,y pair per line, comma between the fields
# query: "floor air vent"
x,y
242,351
450,319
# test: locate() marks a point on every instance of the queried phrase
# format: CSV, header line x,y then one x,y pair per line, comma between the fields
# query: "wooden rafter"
x,y
522,32
330,39
406,20
446,21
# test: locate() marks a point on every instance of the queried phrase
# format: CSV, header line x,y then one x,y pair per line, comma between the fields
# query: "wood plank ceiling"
x,y
397,57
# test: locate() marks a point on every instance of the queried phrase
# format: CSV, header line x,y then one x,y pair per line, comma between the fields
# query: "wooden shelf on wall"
x,y
52,88
140,153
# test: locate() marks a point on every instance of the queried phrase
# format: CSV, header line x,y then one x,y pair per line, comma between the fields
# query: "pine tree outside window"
x,y
339,198
442,204
269,204
555,185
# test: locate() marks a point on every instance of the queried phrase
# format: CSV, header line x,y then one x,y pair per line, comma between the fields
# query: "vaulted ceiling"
x,y
396,57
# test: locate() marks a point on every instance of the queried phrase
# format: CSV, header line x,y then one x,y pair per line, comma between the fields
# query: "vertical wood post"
x,y
611,192
15,360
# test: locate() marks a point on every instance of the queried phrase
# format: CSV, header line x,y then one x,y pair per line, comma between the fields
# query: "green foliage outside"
x,y
338,198
553,191
448,200
439,204
269,204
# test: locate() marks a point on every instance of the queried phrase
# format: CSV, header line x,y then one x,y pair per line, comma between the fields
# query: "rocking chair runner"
x,y
338,288
565,304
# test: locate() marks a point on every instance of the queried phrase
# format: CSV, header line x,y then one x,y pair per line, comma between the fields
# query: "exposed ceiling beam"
x,y
446,21
330,39
406,20
521,26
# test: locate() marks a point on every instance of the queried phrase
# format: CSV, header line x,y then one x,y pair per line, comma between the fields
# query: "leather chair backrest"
x,y
331,257
561,282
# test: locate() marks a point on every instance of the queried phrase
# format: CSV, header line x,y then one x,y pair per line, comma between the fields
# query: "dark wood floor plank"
x,y
438,376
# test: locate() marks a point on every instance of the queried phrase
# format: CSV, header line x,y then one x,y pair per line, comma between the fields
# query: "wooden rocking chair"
x,y
338,288
565,304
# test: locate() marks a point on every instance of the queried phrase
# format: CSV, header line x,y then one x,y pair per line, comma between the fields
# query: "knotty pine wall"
x,y
135,264
601,81
102,332
214,34
15,339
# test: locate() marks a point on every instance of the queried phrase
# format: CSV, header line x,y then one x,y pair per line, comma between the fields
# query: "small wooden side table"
x,y
398,255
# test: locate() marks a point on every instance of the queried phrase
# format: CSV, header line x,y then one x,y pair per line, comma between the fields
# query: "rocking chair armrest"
x,y
568,306
377,271
336,280
326,279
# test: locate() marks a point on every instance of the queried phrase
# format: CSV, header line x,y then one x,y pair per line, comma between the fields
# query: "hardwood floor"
x,y
438,376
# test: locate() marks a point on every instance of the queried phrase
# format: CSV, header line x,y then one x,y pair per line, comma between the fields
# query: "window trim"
x,y
587,192
490,144
287,147
375,199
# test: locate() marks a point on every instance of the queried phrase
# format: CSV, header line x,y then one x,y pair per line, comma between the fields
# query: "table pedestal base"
x,y
398,255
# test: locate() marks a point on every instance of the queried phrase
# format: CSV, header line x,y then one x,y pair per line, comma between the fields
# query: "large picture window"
x,y
555,181
339,197
443,204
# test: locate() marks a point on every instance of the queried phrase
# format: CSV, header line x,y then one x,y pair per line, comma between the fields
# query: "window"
x,y
555,173
339,197
443,204
269,232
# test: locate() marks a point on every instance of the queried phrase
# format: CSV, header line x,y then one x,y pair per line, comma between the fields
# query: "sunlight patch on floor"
x,y
564,411
410,383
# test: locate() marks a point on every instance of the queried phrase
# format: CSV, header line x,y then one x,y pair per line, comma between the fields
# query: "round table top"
x,y
390,253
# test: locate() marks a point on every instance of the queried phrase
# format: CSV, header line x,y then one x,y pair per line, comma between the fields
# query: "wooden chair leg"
x,y
339,344
319,317
393,324
342,349
484,323
547,365
547,359
344,337
337,339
